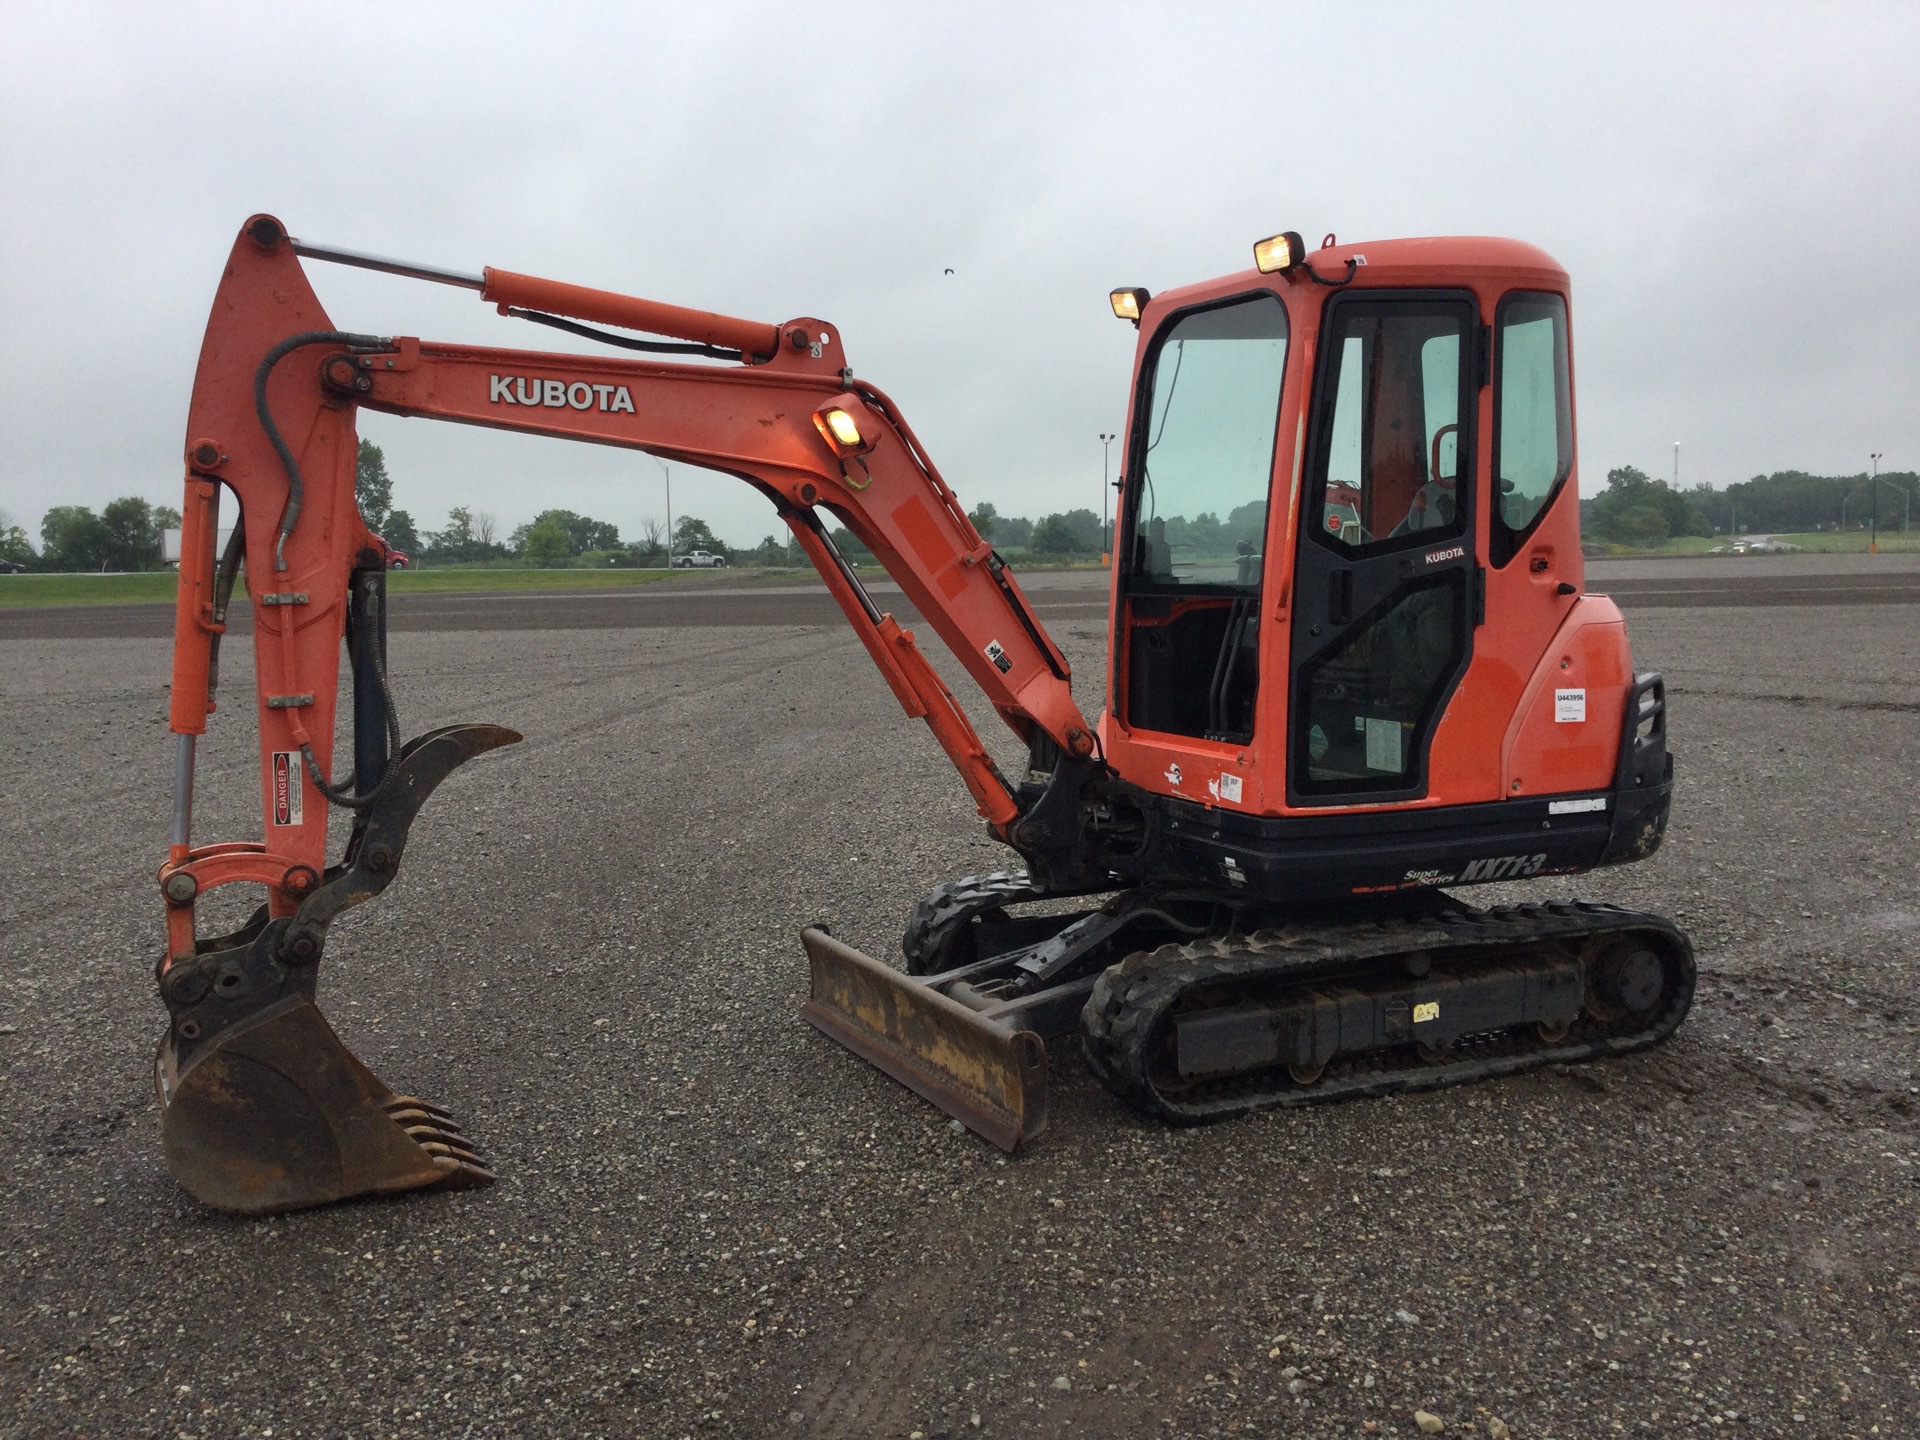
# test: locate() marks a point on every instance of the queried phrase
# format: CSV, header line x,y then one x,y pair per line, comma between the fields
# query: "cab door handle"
x,y
1340,597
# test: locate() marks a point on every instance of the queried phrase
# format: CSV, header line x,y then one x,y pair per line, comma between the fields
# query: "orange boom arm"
x,y
791,421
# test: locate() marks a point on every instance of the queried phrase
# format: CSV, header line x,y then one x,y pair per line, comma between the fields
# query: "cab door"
x,y
1385,573
1200,472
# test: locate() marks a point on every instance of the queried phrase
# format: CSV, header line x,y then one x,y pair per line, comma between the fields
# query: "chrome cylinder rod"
x,y
385,265
182,790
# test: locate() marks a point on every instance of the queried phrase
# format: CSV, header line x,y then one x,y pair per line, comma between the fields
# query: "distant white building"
x,y
170,544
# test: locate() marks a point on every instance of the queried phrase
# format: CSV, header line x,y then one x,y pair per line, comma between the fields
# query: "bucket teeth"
x,y
459,1172
412,1113
414,1102
437,1141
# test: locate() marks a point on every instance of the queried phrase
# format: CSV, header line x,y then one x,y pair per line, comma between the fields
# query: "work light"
x,y
1127,304
839,424
1279,253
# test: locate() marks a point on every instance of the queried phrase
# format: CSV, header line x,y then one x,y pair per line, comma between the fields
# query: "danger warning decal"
x,y
287,789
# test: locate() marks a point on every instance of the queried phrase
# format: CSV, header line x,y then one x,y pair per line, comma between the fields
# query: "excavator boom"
x,y
264,1109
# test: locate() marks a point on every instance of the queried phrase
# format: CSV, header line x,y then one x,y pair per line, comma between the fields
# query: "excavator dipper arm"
x,y
773,425
264,1108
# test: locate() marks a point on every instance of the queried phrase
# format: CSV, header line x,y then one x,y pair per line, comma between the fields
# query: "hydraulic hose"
x,y
358,345
343,794
364,637
607,337
223,582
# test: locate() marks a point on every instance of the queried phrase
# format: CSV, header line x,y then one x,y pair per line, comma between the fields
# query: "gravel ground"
x,y
712,1221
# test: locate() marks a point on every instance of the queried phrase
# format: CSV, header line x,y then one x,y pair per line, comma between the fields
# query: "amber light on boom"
x,y
841,431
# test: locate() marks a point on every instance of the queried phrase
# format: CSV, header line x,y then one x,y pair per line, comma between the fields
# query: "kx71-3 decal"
x,y
1502,867
1496,867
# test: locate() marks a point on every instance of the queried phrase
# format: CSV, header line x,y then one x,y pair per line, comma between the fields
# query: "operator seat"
x,y
1433,508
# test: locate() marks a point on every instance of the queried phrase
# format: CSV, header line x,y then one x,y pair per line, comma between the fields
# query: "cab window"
x,y
1207,452
1390,455
1533,435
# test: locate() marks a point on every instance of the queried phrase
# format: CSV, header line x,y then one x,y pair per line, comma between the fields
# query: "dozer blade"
x,y
990,1077
280,1116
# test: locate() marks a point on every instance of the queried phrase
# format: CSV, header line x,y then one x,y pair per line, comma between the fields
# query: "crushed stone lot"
x,y
712,1221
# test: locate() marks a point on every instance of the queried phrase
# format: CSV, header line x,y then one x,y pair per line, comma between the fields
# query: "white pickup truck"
x,y
699,560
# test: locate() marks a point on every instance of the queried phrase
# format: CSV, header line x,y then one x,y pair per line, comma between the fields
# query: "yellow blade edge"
x,y
991,1078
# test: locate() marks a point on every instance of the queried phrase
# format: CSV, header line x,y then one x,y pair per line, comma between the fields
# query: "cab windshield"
x,y
1206,457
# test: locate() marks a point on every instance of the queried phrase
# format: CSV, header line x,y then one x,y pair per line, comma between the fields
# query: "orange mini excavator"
x,y
1354,669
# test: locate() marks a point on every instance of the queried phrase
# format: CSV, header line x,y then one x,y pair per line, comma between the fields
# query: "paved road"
x,y
1058,595
713,1222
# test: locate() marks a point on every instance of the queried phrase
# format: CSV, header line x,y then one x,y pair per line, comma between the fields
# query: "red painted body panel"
x,y
1546,750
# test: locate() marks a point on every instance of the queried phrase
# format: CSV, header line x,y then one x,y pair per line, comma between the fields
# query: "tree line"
x,y
1635,509
125,535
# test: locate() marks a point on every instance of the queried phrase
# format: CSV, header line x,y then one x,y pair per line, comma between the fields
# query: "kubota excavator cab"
x,y
1349,583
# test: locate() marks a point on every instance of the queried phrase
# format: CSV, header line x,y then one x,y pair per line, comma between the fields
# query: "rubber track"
x,y
1132,1004
946,910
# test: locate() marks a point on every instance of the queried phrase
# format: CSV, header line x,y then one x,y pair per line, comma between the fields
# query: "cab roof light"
x,y
1127,304
1279,254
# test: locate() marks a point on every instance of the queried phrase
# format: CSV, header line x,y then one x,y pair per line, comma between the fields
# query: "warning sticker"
x,y
1577,807
287,790
1427,1010
1569,707
1385,750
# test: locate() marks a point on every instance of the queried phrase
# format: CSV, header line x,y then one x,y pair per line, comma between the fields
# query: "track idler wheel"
x,y
1624,978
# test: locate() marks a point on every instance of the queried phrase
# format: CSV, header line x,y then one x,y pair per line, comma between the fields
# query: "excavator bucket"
x,y
280,1115
263,1108
986,1073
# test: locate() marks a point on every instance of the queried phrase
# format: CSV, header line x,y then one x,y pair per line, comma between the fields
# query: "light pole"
x,y
669,478
1873,484
1676,464
1906,504
1106,448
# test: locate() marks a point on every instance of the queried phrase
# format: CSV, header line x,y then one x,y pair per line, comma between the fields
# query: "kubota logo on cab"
x,y
558,394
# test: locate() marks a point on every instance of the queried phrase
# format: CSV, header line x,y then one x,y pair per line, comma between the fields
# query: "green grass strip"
x,y
157,587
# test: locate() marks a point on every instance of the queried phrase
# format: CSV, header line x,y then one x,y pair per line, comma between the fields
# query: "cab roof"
x,y
1438,260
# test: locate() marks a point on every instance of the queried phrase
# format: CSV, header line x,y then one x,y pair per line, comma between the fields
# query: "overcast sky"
x,y
1735,190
